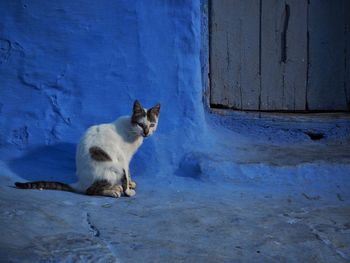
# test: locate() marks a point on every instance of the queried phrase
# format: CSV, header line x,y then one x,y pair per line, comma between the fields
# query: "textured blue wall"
x,y
65,65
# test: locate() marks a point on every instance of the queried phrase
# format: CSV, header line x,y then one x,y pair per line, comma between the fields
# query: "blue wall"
x,y
65,65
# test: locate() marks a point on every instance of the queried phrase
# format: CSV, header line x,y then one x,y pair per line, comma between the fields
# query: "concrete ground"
x,y
259,201
225,224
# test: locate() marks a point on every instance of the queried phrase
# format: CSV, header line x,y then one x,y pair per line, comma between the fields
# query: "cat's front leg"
x,y
126,184
129,192
132,184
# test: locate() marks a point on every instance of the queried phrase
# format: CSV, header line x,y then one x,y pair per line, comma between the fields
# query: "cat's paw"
x,y
116,194
129,192
118,188
132,185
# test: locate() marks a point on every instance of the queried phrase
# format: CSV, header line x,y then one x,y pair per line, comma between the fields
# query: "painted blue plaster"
x,y
66,65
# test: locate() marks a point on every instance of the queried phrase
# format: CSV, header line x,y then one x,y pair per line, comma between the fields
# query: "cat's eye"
x,y
141,125
152,125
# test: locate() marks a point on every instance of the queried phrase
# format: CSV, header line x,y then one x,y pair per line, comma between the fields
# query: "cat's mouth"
x,y
145,135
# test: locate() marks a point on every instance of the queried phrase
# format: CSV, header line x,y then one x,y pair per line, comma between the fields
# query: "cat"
x,y
104,153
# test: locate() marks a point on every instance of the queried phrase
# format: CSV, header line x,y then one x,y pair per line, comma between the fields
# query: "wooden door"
x,y
280,55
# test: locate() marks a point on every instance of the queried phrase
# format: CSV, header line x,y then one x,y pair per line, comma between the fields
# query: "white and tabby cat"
x,y
104,154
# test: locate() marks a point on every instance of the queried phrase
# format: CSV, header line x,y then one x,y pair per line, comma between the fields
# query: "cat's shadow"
x,y
57,163
47,163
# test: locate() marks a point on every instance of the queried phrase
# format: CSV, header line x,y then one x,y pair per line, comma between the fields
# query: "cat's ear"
x,y
137,107
137,112
155,109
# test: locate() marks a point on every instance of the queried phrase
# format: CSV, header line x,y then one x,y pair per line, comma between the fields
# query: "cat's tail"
x,y
41,185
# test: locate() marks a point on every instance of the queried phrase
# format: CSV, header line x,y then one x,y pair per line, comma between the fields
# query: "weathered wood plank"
x,y
249,54
271,69
284,57
326,52
295,72
234,42
222,91
347,52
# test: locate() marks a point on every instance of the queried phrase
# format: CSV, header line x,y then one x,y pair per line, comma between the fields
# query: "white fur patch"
x,y
119,140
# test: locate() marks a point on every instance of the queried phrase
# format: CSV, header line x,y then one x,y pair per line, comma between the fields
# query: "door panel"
x,y
280,55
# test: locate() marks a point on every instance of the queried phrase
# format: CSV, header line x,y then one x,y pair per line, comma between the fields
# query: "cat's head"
x,y
144,121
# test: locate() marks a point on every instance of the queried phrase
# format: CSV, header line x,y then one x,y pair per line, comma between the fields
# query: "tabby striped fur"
x,y
40,185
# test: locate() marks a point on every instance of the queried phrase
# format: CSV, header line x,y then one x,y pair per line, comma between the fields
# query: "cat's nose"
x,y
146,132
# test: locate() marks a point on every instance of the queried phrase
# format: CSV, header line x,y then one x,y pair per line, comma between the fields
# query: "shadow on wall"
x,y
57,163
49,163
145,163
